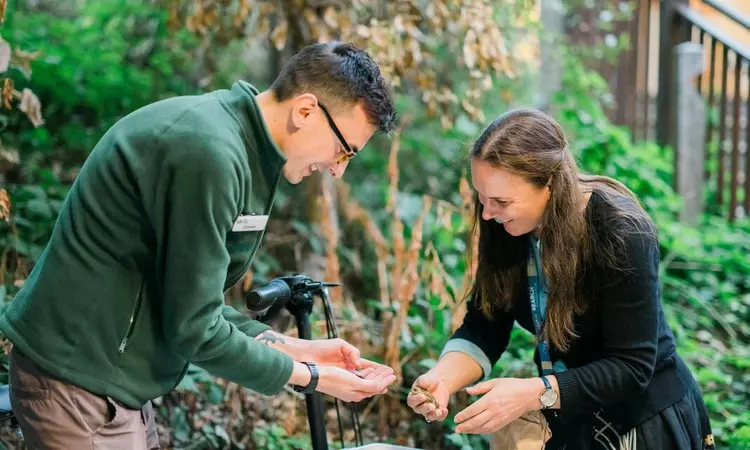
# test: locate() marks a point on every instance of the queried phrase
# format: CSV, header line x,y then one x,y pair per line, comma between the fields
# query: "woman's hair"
x,y
530,144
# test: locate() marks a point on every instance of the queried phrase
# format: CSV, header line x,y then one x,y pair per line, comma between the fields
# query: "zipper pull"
x,y
121,349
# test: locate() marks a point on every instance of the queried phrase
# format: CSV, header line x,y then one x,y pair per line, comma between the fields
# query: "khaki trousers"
x,y
55,415
528,432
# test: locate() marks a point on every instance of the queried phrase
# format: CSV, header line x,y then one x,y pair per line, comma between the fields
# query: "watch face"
x,y
548,398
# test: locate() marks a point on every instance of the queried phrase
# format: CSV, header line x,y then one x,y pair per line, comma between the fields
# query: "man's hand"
x,y
339,353
347,386
327,352
373,371
334,352
324,352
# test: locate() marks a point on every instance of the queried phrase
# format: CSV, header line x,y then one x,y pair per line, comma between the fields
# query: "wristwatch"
x,y
310,388
548,397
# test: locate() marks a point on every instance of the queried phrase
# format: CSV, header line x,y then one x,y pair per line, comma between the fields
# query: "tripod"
x,y
297,294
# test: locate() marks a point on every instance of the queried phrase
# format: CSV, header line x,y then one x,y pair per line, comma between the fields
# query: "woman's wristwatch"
x,y
314,375
548,398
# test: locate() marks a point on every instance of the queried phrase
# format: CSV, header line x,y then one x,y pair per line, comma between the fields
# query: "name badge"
x,y
250,223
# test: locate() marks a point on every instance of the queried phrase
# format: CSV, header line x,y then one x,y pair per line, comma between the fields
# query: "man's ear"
x,y
304,108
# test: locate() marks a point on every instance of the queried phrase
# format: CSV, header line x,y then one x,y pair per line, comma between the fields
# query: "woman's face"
x,y
508,198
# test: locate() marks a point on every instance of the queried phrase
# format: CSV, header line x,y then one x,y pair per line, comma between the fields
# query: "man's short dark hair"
x,y
339,74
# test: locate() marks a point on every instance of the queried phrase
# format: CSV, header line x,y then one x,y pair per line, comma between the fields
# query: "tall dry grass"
x,y
404,264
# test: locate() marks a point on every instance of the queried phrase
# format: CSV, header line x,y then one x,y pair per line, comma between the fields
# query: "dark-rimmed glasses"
x,y
349,152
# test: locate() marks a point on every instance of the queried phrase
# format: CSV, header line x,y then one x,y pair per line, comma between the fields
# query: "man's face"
x,y
313,144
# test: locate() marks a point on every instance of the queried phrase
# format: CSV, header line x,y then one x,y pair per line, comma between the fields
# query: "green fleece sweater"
x,y
130,288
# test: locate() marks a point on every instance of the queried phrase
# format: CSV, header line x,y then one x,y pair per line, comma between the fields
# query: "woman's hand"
x,y
351,387
504,400
429,397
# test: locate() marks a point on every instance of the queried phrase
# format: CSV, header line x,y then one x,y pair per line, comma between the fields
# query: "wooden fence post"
x,y
672,32
689,125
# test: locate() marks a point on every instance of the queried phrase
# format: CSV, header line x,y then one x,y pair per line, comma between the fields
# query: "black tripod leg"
x,y
314,402
315,418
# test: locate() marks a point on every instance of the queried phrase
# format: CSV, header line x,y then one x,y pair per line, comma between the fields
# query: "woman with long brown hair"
x,y
573,259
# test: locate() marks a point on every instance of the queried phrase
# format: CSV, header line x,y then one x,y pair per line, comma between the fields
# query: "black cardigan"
x,y
624,360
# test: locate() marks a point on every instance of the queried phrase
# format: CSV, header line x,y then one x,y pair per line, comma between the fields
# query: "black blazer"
x,y
624,360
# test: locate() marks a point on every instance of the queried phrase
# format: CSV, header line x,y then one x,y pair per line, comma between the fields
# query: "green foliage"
x,y
274,437
86,82
99,62
35,208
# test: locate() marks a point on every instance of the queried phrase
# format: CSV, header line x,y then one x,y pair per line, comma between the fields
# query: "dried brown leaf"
x,y
32,107
5,54
173,15
363,32
241,15
4,205
439,278
3,8
470,49
398,24
399,38
280,34
7,93
332,18
22,59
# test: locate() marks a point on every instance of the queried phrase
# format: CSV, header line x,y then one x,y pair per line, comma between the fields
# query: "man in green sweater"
x,y
165,216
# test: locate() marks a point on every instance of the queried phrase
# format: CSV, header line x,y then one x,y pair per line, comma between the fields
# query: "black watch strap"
x,y
314,375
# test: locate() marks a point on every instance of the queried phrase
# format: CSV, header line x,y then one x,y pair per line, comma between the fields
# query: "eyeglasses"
x,y
349,153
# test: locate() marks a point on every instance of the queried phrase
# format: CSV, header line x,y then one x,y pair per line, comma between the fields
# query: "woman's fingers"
x,y
475,423
427,382
436,414
425,408
414,400
473,410
420,405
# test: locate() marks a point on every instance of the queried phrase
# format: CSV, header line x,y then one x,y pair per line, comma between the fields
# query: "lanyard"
x,y
538,298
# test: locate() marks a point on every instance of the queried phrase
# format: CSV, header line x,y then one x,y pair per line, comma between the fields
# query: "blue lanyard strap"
x,y
538,298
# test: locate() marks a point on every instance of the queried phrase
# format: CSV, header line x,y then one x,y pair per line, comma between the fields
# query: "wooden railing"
x,y
711,103
730,155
